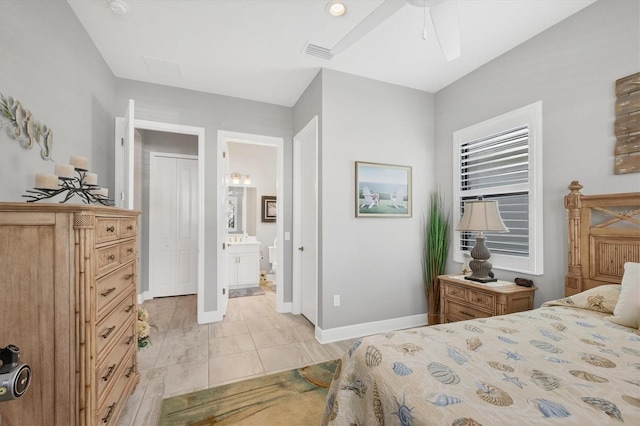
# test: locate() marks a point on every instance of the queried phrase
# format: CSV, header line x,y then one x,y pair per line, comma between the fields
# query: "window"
x,y
501,159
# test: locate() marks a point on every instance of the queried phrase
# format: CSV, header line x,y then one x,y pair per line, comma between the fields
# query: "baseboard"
x,y
145,295
369,328
209,317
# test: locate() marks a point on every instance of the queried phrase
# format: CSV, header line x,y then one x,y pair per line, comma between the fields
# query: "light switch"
x,y
287,236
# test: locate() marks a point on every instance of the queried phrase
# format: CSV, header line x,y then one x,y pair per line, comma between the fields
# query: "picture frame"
x,y
269,208
382,190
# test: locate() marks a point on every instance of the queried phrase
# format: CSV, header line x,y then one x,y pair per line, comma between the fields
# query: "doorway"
x,y
223,183
125,182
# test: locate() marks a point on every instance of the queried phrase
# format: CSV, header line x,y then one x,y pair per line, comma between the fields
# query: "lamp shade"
x,y
481,216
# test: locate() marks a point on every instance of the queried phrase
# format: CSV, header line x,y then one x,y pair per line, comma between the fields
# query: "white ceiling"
x,y
252,49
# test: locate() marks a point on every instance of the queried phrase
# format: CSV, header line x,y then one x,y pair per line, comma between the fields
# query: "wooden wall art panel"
x,y
627,125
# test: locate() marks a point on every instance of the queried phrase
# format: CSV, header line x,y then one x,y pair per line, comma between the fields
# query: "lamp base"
x,y
480,265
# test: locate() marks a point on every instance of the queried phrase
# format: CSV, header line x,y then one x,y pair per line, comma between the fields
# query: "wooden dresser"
x,y
462,299
68,278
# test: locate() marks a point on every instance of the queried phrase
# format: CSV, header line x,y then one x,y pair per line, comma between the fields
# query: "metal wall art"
x,y
26,129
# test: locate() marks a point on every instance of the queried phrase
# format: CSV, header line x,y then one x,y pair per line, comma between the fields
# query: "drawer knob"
x,y
111,228
111,257
467,314
129,308
106,418
129,340
108,332
128,277
130,227
130,250
108,292
109,372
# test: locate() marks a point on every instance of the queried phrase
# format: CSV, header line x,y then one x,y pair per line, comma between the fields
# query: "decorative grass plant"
x,y
435,252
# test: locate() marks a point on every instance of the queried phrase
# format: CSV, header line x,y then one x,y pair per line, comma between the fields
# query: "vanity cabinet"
x,y
244,265
68,278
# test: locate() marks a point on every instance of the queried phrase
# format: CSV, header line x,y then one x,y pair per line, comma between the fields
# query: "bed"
x,y
572,361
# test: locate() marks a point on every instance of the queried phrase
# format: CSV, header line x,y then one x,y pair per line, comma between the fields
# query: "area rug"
x,y
294,397
243,292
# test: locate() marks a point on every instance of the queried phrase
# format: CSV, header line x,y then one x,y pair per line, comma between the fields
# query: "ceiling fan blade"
x,y
444,16
375,18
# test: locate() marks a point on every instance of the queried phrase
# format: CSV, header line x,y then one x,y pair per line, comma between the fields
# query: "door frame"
x,y
153,155
310,129
179,129
224,137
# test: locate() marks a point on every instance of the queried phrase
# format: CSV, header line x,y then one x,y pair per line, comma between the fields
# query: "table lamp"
x,y
481,216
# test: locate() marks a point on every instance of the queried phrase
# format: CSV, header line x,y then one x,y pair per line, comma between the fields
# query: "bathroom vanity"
x,y
244,264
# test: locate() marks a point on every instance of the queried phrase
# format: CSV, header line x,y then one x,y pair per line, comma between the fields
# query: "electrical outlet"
x,y
336,300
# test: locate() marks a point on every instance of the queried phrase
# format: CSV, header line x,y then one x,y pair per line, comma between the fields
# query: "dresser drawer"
x,y
109,364
107,258
463,311
111,287
114,400
128,251
455,292
107,229
481,299
128,227
111,326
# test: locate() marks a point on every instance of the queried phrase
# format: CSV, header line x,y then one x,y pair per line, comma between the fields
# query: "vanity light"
x,y
336,8
247,180
235,178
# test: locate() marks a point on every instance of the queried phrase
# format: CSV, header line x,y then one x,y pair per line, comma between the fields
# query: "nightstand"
x,y
462,299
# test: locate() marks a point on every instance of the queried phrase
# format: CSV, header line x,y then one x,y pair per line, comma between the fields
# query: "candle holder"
x,y
70,186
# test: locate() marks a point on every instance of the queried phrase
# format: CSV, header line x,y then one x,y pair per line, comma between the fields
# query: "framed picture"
x,y
383,190
269,208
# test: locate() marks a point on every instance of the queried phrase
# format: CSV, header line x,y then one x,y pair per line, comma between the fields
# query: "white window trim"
x,y
531,115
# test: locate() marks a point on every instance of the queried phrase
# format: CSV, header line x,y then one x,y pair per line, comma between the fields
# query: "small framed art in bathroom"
x,y
269,208
382,190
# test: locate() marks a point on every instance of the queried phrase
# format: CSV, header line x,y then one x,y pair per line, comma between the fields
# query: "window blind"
x,y
496,167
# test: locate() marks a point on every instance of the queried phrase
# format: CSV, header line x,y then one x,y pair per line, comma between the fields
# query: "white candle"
x,y
79,162
65,170
46,181
101,192
90,179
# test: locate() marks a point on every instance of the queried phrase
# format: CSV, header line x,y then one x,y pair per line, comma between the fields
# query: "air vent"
x,y
318,51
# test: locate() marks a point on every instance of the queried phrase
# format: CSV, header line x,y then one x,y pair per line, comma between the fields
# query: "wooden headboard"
x,y
604,233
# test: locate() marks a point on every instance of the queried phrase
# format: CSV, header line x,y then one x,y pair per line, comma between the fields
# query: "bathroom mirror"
x,y
241,210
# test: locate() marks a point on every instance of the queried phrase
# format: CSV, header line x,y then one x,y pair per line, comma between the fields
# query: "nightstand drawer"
x,y
455,292
481,299
463,311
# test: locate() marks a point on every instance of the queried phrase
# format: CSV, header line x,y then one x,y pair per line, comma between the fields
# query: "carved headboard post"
x,y
573,204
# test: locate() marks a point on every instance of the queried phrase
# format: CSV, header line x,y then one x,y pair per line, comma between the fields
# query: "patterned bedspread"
x,y
552,365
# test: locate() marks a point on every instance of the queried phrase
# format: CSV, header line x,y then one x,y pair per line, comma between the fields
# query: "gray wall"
x,y
64,82
374,264
572,68
213,113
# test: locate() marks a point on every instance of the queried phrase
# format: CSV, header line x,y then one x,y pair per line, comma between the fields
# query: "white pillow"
x,y
627,311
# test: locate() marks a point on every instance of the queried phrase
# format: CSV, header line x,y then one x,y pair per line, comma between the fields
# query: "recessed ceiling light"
x,y
336,8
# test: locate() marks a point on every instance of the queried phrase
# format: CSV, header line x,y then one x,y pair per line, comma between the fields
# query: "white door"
x,y
306,205
223,199
173,225
124,158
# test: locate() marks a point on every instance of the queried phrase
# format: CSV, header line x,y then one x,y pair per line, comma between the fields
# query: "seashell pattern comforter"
x,y
552,365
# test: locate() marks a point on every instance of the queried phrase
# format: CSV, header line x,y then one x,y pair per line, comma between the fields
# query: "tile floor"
x,y
253,340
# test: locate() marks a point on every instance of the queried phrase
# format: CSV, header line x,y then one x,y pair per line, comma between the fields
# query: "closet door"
x,y
173,225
